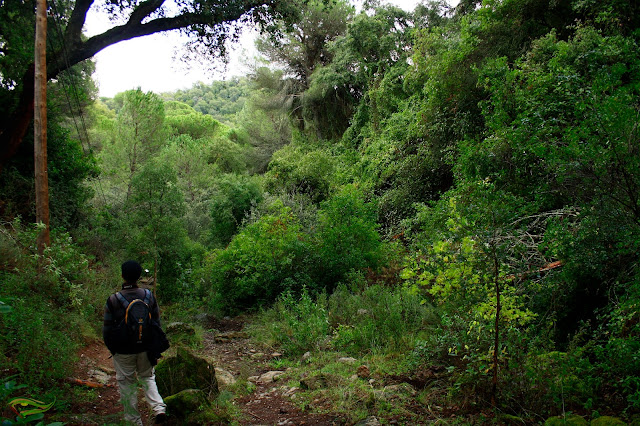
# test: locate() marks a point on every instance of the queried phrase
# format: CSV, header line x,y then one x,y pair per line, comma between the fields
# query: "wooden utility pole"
x,y
40,126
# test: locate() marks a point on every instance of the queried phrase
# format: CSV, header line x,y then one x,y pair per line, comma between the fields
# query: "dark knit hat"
x,y
131,271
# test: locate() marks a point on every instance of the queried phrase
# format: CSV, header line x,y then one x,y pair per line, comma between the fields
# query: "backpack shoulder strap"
x,y
123,301
147,296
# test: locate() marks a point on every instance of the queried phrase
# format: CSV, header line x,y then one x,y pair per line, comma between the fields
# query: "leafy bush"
x,y
53,306
294,170
265,259
348,239
374,319
233,197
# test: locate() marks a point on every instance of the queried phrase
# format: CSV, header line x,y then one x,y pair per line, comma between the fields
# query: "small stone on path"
x,y
363,372
369,421
224,377
266,378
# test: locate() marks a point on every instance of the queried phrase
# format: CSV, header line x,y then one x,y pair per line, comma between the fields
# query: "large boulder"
x,y
186,371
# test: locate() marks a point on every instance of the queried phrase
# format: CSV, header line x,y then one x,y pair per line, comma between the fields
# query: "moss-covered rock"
x,y
186,371
607,421
187,402
176,328
571,420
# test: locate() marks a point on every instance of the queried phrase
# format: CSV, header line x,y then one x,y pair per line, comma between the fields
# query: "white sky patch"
x,y
148,62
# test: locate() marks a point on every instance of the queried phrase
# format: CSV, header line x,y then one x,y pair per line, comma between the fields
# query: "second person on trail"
x,y
128,318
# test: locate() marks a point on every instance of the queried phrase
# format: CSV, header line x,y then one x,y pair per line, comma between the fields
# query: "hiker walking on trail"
x,y
128,317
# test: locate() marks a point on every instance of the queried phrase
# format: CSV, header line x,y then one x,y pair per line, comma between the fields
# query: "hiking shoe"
x,y
161,418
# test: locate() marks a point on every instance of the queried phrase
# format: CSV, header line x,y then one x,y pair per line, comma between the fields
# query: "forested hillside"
x,y
449,195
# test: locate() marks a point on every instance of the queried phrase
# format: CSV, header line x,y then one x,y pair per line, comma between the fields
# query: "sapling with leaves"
x,y
138,134
155,213
476,266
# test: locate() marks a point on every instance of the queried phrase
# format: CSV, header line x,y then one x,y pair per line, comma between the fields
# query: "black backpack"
x,y
135,327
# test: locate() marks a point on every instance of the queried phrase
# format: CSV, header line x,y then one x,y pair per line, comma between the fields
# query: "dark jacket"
x,y
114,313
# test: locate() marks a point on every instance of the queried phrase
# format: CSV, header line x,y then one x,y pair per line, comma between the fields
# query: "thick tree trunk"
x,y
11,137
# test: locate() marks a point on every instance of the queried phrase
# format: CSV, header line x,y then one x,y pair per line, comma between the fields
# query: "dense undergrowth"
x,y
391,329
442,355
52,305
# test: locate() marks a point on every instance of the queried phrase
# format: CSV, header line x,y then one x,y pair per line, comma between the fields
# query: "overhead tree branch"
x,y
203,14
144,9
76,21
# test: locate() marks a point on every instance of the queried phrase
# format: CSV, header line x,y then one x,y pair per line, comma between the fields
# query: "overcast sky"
x,y
148,62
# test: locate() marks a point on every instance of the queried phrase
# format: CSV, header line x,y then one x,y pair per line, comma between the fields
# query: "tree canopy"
x,y
210,23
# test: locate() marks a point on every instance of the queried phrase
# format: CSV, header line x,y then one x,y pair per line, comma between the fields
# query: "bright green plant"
x,y
296,324
263,260
377,319
348,239
29,415
474,264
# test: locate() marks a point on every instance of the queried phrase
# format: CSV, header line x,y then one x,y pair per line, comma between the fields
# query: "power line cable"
x,y
65,57
74,89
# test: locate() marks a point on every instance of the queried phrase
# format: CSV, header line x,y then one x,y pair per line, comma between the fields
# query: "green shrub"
x,y
292,170
377,318
295,324
233,197
52,306
36,342
348,239
265,259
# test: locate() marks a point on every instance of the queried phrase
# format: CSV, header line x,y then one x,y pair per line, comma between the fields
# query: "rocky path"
x,y
270,402
266,402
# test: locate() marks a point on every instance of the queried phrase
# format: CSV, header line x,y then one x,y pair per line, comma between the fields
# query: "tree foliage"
x,y
222,100
457,182
260,263
305,45
209,23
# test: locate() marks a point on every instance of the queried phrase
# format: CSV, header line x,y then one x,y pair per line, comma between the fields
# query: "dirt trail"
x,y
268,404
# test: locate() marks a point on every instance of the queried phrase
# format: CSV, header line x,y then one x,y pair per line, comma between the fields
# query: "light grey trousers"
x,y
126,366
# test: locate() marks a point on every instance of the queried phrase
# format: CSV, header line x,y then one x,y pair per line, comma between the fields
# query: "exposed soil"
x,y
268,404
